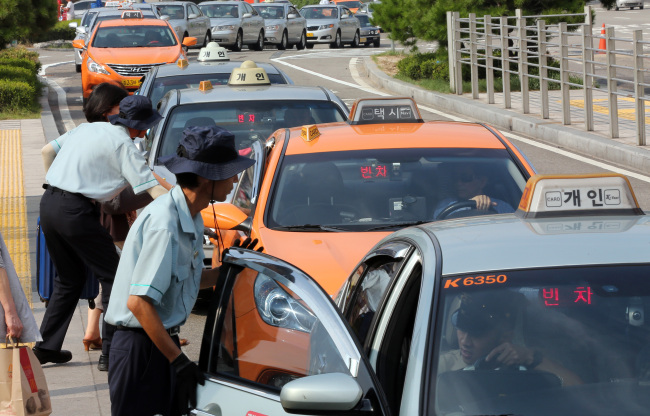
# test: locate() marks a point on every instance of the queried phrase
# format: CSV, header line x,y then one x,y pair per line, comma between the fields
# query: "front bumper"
x,y
273,37
321,36
224,37
368,38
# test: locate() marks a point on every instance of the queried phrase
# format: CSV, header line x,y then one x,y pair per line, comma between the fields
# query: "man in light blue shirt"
x,y
159,277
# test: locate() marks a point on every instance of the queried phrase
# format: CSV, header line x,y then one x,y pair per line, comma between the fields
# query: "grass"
x,y
22,114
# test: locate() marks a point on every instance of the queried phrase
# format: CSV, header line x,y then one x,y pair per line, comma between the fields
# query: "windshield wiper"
x,y
311,227
396,225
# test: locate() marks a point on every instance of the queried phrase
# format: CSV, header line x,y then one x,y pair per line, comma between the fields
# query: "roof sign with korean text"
x,y
249,74
385,110
578,195
132,14
213,52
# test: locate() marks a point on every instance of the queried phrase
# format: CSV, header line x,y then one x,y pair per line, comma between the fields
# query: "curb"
x,y
568,138
47,118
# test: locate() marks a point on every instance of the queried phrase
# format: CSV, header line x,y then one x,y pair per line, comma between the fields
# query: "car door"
x,y
274,344
347,24
256,22
197,22
295,26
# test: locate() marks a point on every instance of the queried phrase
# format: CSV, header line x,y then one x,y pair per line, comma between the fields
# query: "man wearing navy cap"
x,y
159,277
99,161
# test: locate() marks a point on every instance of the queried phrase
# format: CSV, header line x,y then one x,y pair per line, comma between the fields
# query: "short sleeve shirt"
x,y
162,259
98,160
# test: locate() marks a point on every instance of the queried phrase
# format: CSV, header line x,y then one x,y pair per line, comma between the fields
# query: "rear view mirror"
x,y
79,43
247,15
193,16
72,25
292,16
189,41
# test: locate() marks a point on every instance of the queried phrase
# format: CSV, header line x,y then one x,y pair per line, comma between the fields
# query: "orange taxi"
x,y
327,193
353,5
123,50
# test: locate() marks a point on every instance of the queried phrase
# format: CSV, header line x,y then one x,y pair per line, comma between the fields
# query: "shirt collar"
x,y
187,222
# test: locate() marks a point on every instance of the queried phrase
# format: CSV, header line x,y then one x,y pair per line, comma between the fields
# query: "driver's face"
x,y
468,183
473,347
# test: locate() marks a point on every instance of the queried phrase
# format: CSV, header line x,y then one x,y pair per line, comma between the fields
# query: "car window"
x,y
248,120
363,20
87,17
366,189
270,12
579,334
292,10
194,10
134,37
320,12
269,335
219,10
173,11
245,196
345,12
249,9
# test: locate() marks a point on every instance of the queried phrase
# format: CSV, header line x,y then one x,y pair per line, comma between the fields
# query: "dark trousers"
x,y
140,379
75,240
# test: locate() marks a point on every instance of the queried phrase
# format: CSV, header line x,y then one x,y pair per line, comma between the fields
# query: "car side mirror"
x,y
321,393
344,16
292,16
189,41
72,25
247,15
193,16
79,43
228,217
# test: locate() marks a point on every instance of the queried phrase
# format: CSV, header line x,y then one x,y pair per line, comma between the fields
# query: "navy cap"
x,y
136,112
208,152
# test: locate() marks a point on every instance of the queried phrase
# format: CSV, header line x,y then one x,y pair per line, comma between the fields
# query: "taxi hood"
x,y
327,257
135,56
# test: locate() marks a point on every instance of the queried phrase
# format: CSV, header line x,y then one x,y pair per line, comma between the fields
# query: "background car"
x,y
95,15
353,5
629,3
334,25
369,32
549,279
187,20
284,26
234,24
81,7
124,49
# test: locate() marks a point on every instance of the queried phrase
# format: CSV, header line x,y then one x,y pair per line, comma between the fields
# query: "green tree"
x,y
21,19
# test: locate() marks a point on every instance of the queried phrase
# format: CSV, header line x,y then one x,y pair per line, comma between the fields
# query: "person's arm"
x,y
162,181
483,202
144,311
48,154
14,325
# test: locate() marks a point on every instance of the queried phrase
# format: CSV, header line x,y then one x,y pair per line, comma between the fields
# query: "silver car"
x,y
285,27
629,3
93,16
187,20
514,314
81,7
328,23
235,24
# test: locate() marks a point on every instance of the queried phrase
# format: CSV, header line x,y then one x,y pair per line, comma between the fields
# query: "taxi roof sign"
x,y
385,110
182,63
132,14
249,74
578,195
205,86
310,132
213,52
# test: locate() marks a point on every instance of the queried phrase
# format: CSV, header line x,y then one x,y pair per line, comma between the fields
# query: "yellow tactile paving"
x,y
13,206
625,113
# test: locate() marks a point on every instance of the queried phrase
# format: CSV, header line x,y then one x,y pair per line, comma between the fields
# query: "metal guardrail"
x,y
511,45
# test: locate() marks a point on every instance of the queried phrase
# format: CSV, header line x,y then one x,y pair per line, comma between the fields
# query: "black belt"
x,y
63,191
174,330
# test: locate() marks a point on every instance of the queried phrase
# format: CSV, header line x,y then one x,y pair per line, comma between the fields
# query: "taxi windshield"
x,y
319,12
134,37
220,10
380,189
249,121
163,85
580,335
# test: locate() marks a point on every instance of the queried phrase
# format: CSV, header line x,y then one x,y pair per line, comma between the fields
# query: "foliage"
x,y
302,3
16,95
61,30
22,19
15,73
426,66
19,86
22,57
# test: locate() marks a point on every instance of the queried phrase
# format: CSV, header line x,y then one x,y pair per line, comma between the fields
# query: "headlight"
x,y
273,27
278,308
95,67
226,27
321,27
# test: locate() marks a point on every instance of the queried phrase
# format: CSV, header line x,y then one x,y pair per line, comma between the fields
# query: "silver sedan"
x,y
187,20
235,24
335,25
285,26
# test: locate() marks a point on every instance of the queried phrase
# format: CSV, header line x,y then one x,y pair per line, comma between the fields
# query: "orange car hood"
x,y
327,257
135,56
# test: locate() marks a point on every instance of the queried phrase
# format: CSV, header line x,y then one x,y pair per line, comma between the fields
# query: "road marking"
x,y
66,118
13,206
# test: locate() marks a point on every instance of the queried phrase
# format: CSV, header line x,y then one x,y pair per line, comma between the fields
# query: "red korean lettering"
x,y
583,294
366,172
551,296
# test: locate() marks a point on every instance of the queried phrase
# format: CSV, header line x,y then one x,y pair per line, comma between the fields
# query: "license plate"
x,y
310,35
363,40
131,82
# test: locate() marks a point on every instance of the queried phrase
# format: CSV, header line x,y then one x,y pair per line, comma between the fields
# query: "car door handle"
x,y
211,409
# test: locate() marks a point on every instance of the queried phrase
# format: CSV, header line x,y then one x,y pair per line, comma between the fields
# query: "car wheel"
x,y
283,43
376,43
337,41
303,42
616,8
239,42
207,39
355,41
309,46
259,45
77,67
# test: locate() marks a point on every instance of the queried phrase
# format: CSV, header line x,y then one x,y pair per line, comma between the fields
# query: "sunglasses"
x,y
465,177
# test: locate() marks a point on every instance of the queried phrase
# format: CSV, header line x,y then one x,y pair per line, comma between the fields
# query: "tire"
x,y
616,8
283,42
259,45
302,42
77,67
207,38
337,41
376,43
355,41
309,45
239,42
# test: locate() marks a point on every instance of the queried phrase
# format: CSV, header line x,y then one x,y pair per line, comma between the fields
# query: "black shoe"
x,y
51,356
102,365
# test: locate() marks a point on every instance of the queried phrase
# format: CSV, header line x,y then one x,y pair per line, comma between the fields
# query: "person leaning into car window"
x,y
485,326
469,184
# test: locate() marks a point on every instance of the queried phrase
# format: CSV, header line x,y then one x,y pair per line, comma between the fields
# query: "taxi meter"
x,y
385,110
212,53
564,195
